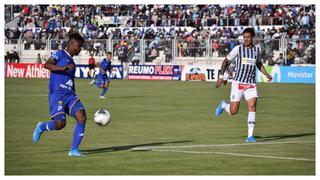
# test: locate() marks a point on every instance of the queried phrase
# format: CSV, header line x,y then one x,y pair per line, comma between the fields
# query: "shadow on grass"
x,y
282,136
127,147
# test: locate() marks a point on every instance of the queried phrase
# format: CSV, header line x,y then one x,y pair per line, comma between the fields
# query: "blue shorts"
x,y
102,79
62,104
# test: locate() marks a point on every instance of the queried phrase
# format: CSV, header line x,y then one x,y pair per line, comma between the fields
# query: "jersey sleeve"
x,y
233,53
259,55
56,55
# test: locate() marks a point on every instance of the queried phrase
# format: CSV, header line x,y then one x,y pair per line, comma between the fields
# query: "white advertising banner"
x,y
199,73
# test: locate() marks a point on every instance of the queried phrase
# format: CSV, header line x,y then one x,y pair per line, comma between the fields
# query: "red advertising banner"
x,y
26,70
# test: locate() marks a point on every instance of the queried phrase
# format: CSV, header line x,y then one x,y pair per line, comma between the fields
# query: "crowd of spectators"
x,y
78,16
221,23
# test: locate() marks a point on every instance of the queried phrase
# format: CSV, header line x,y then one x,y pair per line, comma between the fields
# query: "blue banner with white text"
x,y
82,71
289,74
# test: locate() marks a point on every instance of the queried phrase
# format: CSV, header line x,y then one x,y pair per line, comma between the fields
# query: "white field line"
x,y
153,148
235,154
219,145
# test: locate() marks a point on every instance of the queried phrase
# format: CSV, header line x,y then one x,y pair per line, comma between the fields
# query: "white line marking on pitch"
x,y
219,145
236,154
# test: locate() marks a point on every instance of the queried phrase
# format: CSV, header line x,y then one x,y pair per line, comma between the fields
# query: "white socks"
x,y
251,122
251,118
226,107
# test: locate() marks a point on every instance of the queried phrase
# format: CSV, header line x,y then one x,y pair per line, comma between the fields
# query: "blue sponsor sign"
x,y
289,74
82,71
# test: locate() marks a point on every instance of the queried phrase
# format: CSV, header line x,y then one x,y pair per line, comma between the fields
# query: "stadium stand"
x,y
157,34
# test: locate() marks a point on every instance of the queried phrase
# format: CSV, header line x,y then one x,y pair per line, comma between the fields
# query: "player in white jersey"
x,y
246,57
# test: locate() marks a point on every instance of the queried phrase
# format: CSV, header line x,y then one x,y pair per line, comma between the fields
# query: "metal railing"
x,y
148,50
216,21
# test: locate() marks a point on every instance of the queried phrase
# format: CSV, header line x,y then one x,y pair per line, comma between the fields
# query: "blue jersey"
x,y
62,82
105,65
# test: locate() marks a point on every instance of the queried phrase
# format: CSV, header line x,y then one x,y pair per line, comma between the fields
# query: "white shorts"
x,y
239,89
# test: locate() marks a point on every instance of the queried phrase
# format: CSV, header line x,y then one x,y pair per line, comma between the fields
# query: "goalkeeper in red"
x,y
246,58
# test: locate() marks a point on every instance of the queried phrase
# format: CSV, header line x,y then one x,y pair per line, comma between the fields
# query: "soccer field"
x,y
163,128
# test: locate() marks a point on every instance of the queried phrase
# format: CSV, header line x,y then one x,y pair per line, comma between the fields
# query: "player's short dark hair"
x,y
249,30
109,53
76,36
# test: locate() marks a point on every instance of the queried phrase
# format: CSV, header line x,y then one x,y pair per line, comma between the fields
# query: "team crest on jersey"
x,y
60,105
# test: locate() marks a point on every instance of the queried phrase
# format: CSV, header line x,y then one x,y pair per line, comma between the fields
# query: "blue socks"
x,y
78,135
47,126
103,91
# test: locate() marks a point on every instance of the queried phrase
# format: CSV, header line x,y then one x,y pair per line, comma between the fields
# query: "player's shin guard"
x,y
78,135
251,123
47,126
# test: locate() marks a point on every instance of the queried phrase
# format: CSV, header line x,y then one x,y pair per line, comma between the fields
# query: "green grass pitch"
x,y
163,128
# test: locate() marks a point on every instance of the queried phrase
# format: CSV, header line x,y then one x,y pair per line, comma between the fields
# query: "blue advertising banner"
x,y
82,71
289,74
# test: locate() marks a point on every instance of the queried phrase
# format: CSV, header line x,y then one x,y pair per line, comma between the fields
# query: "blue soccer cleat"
x,y
37,133
250,139
219,109
75,153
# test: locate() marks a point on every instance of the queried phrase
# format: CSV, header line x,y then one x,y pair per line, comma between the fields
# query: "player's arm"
x,y
263,70
226,62
51,65
223,68
101,69
110,68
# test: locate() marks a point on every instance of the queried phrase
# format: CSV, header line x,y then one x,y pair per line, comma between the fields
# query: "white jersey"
x,y
245,60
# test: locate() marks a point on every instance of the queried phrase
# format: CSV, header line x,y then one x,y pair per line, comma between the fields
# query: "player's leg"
x,y
89,72
58,117
92,76
235,97
100,82
93,73
105,87
251,98
57,123
78,112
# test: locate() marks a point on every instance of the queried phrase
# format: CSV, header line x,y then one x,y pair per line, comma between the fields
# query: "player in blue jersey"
x,y
103,77
62,96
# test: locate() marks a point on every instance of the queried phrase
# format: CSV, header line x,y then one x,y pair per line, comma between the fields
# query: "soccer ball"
x,y
102,117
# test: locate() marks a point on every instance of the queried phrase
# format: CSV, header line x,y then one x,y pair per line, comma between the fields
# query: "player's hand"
x,y
68,67
224,82
269,77
219,82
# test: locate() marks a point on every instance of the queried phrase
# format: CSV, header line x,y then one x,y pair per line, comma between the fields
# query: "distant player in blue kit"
x,y
103,78
62,96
